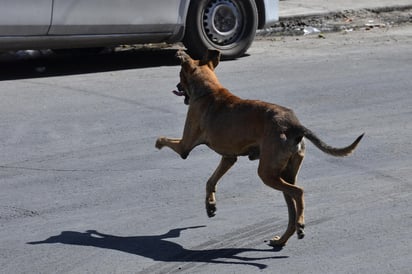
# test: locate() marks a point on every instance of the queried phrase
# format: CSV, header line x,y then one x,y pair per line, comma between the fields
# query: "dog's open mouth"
x,y
181,92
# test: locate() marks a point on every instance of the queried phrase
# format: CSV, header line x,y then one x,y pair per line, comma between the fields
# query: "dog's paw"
x,y
160,142
210,208
300,231
276,242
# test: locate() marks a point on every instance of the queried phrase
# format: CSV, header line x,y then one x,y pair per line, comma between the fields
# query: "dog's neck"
x,y
199,89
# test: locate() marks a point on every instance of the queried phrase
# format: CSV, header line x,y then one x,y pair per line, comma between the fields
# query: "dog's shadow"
x,y
157,248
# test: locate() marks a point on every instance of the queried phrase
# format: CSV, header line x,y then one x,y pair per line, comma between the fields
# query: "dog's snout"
x,y
179,87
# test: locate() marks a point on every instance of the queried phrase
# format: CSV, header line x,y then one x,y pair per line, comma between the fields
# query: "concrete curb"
x,y
331,13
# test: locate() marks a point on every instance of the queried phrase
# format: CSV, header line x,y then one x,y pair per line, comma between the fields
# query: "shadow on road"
x,y
49,64
157,248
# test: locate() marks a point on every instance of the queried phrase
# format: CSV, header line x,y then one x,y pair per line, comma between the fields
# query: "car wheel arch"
x,y
260,5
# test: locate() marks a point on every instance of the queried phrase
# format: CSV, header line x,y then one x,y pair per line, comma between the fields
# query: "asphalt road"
x,y
83,190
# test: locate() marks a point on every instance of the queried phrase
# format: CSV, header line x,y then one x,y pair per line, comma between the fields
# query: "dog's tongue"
x,y
178,93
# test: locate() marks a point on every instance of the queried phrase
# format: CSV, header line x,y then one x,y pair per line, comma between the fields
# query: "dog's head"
x,y
196,74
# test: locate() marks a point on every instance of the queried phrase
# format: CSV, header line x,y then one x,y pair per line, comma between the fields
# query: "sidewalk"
x,y
304,8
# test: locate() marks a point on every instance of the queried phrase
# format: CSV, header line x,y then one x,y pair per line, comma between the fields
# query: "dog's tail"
x,y
339,152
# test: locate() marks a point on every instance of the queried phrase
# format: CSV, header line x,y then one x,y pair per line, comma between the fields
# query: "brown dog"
x,y
235,127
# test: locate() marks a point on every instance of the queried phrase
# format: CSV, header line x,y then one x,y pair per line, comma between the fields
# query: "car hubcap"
x,y
222,22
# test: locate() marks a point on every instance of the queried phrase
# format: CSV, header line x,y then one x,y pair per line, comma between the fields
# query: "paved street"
x,y
83,190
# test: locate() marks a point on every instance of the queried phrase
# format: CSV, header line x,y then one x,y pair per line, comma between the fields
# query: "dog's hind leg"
x,y
289,174
270,171
225,164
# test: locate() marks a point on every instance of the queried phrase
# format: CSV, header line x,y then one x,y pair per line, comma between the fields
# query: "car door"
x,y
25,17
77,17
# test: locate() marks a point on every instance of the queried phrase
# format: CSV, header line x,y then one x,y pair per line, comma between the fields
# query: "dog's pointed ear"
x,y
187,63
183,56
212,57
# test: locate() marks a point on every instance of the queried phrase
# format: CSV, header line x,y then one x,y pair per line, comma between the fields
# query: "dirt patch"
x,y
347,20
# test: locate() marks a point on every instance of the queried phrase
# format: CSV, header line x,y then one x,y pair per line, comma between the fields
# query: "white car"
x,y
227,25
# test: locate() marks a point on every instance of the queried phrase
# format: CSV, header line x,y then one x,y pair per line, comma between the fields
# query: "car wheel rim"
x,y
222,22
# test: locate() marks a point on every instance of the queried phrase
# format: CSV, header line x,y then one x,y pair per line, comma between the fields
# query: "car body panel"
x,y
25,17
72,17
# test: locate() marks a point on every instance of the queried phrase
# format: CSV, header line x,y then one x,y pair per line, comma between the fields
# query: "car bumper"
x,y
271,13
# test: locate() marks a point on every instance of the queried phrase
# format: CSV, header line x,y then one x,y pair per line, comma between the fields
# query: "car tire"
x,y
226,25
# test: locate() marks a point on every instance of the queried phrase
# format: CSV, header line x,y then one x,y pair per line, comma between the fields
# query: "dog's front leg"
x,y
180,146
225,164
190,139
174,144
